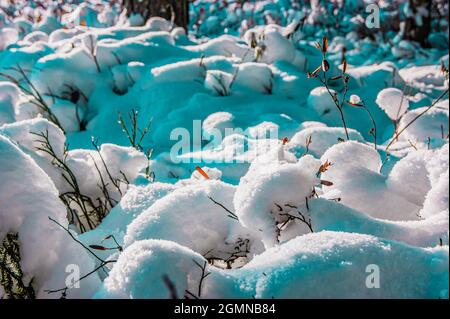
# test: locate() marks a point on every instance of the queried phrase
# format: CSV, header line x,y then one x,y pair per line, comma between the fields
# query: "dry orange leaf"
x,y
324,167
202,172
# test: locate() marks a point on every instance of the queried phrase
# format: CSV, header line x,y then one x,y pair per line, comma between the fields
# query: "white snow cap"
x,y
267,187
394,102
25,208
354,99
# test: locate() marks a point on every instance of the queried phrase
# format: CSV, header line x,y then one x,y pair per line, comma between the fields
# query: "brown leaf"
x,y
97,247
324,45
314,73
324,167
202,172
326,183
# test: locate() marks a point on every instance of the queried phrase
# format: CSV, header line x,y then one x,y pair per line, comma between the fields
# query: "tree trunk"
x,y
176,10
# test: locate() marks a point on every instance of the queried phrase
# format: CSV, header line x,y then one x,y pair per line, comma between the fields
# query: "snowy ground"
x,y
138,161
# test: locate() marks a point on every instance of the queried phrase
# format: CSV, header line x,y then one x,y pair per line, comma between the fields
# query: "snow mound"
x,y
319,139
197,215
320,100
429,125
322,265
358,184
394,102
152,261
437,200
45,249
9,96
23,133
265,188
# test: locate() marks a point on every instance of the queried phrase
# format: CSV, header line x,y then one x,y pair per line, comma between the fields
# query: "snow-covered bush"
x,y
44,249
273,149
199,214
291,271
268,196
357,183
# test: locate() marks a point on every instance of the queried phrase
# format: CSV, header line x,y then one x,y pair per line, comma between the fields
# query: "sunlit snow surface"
x,y
250,210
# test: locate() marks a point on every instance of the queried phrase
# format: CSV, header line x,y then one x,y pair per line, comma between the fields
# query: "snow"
x,y
430,125
254,76
280,183
381,76
409,176
200,224
8,36
359,185
157,259
291,270
119,161
21,133
218,82
320,100
425,76
319,139
436,199
229,156
9,96
333,216
394,102
45,249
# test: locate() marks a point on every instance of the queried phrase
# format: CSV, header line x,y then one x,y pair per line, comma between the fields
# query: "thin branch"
x,y
230,213
415,119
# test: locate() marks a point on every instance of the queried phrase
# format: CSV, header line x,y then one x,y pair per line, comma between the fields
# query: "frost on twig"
x,y
136,136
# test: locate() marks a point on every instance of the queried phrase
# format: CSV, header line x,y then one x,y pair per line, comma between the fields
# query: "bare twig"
x,y
202,278
324,80
171,287
230,213
415,119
